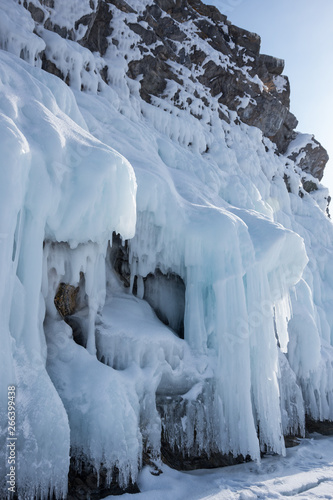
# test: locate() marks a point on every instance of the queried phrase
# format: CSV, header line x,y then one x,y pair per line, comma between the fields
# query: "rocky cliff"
x,y
185,52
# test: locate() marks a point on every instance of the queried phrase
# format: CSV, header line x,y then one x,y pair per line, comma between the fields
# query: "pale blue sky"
x,y
301,33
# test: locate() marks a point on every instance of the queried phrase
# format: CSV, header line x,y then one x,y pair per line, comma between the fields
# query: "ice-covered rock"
x,y
186,43
308,154
55,178
202,220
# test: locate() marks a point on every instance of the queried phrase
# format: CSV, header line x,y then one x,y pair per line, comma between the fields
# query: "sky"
x,y
301,33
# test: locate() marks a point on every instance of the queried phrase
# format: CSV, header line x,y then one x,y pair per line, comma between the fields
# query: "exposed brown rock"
x,y
65,299
50,67
37,14
155,74
99,29
243,38
311,158
119,259
274,65
291,441
47,3
83,483
309,186
164,40
177,459
324,427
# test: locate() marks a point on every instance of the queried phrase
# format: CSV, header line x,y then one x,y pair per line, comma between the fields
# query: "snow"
x,y
65,13
306,472
108,435
16,33
280,83
244,101
299,143
202,199
76,63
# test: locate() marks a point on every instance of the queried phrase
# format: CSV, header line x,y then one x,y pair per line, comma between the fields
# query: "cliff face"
x,y
164,243
186,52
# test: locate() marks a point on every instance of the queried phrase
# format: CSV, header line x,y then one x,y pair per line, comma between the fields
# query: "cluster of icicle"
x,y
255,259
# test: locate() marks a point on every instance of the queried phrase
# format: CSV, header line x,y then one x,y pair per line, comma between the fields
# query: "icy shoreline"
x,y
306,473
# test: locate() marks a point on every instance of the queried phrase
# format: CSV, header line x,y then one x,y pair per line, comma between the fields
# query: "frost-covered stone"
x,y
223,59
203,200
274,65
65,299
308,154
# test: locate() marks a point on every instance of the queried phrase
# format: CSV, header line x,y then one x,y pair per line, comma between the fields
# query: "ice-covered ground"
x,y
306,472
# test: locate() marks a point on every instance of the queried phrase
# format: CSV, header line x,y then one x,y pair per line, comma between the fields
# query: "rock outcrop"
x,y
171,58
65,299
85,483
325,427
308,154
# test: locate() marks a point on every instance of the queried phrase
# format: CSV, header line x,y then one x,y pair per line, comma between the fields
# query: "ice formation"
x,y
204,201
